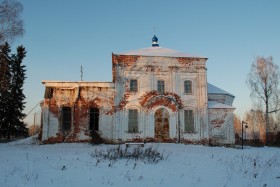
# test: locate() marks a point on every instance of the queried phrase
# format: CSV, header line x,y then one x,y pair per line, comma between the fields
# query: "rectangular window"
x,y
132,121
133,85
48,93
160,87
66,118
189,121
94,119
188,87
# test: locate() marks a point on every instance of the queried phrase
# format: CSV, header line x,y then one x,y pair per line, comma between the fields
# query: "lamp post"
x,y
246,126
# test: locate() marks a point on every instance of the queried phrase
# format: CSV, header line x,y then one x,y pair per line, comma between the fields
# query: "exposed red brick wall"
x,y
58,139
217,122
122,60
152,99
80,100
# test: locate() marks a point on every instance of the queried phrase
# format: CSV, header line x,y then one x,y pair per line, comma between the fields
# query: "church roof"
x,y
214,104
159,51
215,90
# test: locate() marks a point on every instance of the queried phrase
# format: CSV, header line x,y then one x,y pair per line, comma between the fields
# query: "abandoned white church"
x,y
156,95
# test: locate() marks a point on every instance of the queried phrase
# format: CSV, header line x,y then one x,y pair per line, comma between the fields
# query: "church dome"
x,y
155,41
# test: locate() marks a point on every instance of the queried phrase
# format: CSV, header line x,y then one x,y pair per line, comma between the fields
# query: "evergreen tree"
x,y
11,92
17,95
5,80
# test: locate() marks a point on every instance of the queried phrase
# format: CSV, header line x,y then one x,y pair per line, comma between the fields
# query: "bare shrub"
x,y
34,129
146,155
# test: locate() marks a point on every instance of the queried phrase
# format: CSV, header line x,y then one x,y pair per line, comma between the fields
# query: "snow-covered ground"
x,y
25,163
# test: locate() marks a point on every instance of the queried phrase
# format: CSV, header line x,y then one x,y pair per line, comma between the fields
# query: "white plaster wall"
x,y
222,133
114,121
50,124
174,82
67,94
106,126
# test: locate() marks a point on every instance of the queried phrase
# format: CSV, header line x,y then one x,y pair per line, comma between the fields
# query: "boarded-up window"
x,y
132,121
94,119
189,121
188,87
66,118
160,86
133,85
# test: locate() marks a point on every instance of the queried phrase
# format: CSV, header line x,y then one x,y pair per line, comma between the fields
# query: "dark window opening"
x,y
188,87
66,118
48,93
132,121
160,87
189,121
94,119
133,85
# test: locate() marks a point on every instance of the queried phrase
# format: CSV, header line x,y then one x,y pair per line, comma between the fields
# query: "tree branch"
x,y
274,111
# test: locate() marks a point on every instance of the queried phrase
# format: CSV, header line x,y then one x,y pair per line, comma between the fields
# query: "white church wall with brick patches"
x,y
157,95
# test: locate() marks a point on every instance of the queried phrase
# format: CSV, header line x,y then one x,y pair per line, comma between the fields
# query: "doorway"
x,y
161,125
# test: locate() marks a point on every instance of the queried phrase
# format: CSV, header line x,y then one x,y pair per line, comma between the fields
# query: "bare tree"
x,y
263,81
256,124
34,129
237,125
11,24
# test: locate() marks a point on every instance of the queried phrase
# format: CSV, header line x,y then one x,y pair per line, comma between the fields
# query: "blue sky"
x,y
63,35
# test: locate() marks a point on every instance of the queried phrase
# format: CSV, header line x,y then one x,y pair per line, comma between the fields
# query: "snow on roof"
x,y
159,51
214,104
215,90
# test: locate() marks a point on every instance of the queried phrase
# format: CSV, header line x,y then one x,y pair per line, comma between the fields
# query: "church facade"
x,y
157,95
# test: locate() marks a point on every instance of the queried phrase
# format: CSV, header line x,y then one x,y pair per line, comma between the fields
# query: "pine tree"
x,y
12,76
17,96
5,80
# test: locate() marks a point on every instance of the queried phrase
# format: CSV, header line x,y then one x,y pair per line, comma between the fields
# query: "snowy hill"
x,y
25,163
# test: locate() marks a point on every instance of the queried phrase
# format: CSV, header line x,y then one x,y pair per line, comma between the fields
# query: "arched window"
x,y
188,87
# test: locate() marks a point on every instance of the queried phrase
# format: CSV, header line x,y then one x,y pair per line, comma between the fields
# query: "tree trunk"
x,y
266,122
9,132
